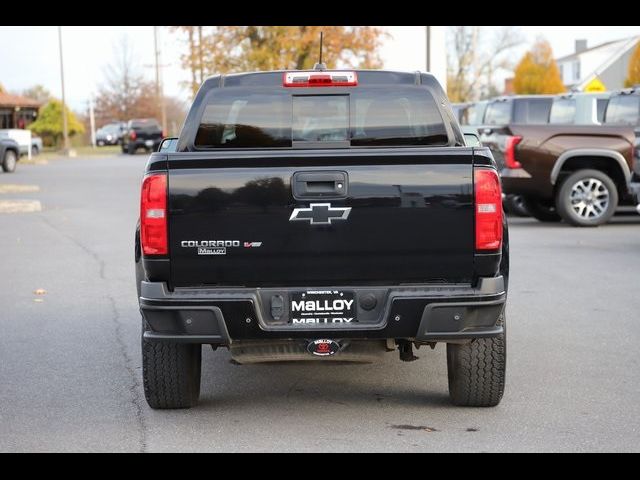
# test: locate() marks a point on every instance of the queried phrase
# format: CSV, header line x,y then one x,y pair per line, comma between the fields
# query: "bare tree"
x,y
125,93
474,58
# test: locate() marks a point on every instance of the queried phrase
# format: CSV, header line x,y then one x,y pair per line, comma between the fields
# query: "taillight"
x,y
153,215
510,152
488,200
133,135
324,79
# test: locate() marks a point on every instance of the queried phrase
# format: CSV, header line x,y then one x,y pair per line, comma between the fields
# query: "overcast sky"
x,y
29,55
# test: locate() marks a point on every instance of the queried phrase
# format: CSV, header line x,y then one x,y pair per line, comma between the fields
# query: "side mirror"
x,y
472,140
168,145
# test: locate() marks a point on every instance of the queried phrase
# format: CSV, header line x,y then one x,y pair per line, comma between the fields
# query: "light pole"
x,y
428,48
92,121
159,89
65,125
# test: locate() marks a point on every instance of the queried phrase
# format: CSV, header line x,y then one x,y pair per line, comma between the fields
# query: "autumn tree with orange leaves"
x,y
537,72
633,77
225,49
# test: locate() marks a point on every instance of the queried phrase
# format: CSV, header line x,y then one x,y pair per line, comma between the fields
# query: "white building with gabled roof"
x,y
590,69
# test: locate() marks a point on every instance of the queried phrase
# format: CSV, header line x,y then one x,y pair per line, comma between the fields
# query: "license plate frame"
x,y
322,307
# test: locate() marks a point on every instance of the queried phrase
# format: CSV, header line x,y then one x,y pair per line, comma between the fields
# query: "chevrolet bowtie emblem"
x,y
320,214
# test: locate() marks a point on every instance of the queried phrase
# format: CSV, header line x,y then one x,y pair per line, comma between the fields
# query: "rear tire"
x,y
9,161
476,371
131,150
542,210
587,198
171,374
514,205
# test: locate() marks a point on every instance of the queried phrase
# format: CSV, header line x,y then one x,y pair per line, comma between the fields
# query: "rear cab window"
x,y
623,109
498,112
144,124
532,111
563,111
363,116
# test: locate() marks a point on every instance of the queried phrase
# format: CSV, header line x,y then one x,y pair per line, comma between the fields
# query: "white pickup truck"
x,y
29,145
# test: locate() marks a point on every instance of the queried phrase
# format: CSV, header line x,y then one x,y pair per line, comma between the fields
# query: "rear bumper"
x,y
635,191
517,181
423,313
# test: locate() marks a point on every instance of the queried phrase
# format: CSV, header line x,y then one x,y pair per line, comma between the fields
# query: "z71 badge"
x,y
217,247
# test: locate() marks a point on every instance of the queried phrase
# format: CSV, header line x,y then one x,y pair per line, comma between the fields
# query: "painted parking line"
x,y
20,206
16,188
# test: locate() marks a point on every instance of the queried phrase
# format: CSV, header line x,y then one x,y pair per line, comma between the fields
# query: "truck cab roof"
x,y
275,77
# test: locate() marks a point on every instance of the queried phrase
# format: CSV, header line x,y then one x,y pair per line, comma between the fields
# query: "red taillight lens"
x,y
488,199
133,135
325,79
153,215
510,152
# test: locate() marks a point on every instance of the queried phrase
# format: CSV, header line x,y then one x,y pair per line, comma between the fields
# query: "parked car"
x,y
142,133
321,215
470,113
579,109
578,173
36,145
110,134
9,154
460,111
23,138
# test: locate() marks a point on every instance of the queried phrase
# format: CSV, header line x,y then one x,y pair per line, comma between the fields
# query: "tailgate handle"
x,y
320,185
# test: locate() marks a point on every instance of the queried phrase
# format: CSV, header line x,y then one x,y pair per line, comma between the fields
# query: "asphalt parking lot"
x,y
70,377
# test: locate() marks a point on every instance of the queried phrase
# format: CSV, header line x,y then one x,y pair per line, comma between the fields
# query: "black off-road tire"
x,y
563,199
131,149
171,374
542,210
9,161
514,205
476,371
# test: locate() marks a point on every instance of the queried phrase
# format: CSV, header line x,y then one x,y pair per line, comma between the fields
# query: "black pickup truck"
x,y
141,133
321,215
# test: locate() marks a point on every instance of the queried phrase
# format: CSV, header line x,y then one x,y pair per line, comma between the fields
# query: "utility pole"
x,y
436,53
92,121
65,125
428,48
200,62
159,92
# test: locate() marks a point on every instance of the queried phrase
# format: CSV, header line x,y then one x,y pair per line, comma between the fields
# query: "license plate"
x,y
320,307
149,143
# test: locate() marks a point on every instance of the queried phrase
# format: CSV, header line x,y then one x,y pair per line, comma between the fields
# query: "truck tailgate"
x,y
411,218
